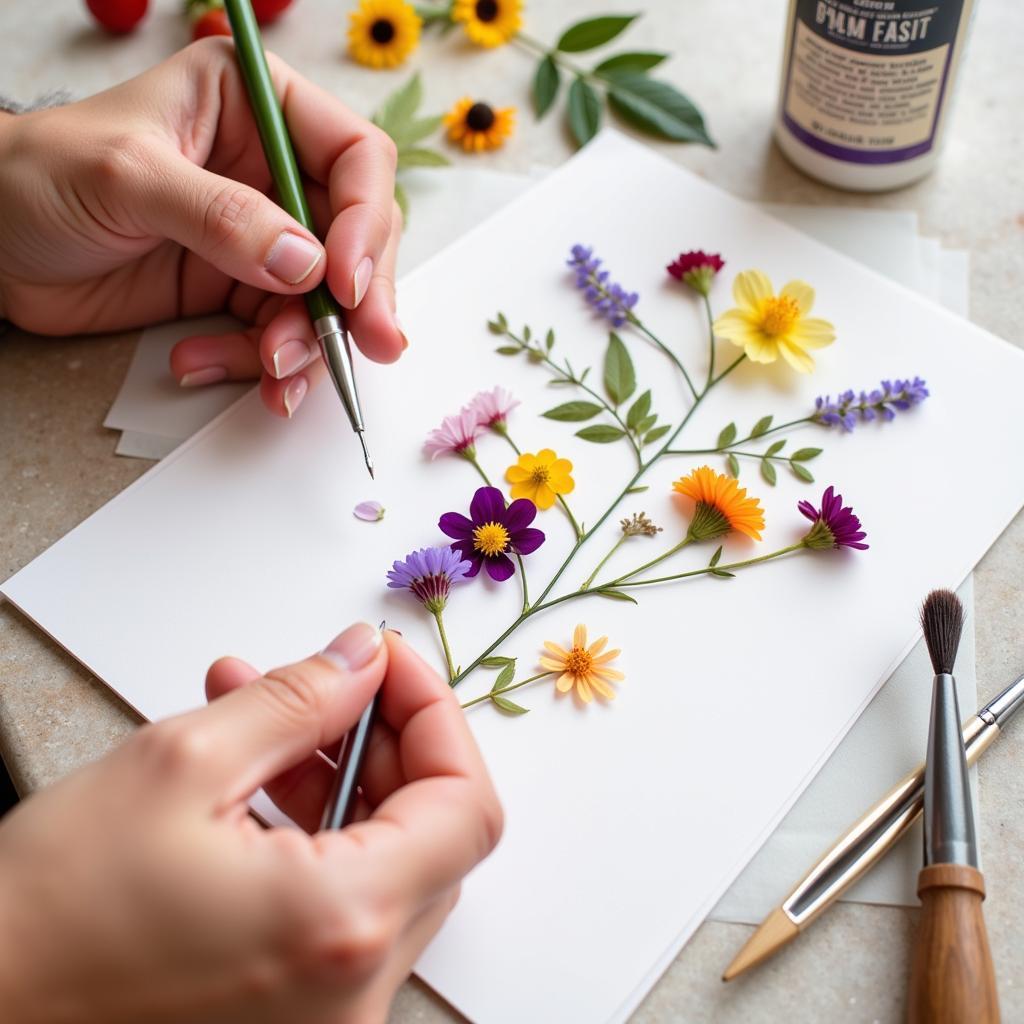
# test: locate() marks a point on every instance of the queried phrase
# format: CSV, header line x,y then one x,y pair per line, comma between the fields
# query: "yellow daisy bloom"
x,y
541,477
489,22
766,325
585,668
722,505
382,33
478,126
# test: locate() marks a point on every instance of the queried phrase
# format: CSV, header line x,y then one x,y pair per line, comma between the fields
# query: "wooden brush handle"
x,y
951,975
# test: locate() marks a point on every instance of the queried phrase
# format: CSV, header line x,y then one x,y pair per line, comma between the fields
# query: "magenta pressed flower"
x,y
696,268
492,408
493,532
457,434
833,525
429,575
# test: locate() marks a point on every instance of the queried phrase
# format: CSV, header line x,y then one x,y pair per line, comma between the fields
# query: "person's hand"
x,y
148,202
139,889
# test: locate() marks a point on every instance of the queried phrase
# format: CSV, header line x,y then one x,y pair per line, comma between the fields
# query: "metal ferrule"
x,y
1001,709
948,819
334,344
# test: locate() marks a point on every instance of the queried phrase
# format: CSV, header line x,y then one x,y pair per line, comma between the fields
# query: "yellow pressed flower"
x,y
585,668
766,325
382,33
477,126
722,505
489,22
541,477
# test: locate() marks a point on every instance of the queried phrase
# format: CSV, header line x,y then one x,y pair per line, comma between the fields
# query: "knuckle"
x,y
386,145
492,820
229,214
359,940
173,748
123,158
296,692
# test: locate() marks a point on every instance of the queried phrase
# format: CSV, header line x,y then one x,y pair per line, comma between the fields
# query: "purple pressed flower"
x,y
492,408
457,434
834,526
369,511
612,301
429,574
696,268
883,403
493,532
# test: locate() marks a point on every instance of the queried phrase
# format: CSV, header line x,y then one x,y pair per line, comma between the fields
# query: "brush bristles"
x,y
942,618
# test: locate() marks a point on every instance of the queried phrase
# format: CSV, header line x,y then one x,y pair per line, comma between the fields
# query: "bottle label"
x,y
865,79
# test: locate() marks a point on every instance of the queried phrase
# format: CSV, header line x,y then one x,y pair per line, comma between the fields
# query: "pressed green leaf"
x,y
761,426
535,355
559,382
715,557
527,333
806,454
501,318
584,111
619,375
638,410
727,436
657,433
545,85
658,108
497,661
508,705
421,158
494,327
625,62
600,433
400,107
417,130
638,489
504,677
733,464
508,350
586,35
723,574
768,472
802,472
616,595
573,412
403,202
646,423
775,448
549,340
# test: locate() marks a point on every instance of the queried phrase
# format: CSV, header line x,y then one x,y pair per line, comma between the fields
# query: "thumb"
x,y
232,226
257,731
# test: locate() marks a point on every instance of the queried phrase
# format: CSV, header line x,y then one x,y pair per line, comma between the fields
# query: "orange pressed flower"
x,y
583,667
722,505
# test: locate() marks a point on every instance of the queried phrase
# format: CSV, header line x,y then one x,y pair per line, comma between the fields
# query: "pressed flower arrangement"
x,y
500,528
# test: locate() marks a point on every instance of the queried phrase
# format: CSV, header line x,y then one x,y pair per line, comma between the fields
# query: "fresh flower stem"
x,y
471,459
742,440
444,643
710,568
600,565
512,444
711,341
651,336
502,692
654,561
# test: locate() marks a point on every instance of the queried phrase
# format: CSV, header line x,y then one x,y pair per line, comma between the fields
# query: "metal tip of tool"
x,y
366,455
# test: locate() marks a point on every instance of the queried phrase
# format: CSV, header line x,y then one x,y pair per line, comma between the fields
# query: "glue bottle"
x,y
866,88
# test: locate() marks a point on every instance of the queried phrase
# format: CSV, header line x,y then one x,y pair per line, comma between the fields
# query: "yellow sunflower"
x,y
478,126
721,505
766,325
585,668
489,22
541,477
382,33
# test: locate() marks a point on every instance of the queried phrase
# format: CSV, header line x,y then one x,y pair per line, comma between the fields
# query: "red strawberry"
x,y
118,16
267,11
213,22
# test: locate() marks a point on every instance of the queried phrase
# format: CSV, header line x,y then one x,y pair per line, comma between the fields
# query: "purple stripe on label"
x,y
855,156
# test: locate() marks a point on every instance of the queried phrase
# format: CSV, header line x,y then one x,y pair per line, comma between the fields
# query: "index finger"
x,y
433,830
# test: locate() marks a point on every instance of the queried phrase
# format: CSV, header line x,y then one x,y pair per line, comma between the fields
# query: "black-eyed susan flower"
x,y
489,22
721,505
766,325
382,33
541,477
585,668
477,126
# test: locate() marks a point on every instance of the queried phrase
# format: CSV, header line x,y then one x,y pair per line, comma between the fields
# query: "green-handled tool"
x,y
327,316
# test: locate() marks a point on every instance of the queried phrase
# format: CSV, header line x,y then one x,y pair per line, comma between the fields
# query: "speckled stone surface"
x,y
57,463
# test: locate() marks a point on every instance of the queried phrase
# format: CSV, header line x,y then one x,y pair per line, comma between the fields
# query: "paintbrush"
x,y
951,977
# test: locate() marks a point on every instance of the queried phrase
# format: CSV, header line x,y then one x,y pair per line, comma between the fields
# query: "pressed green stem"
x,y
471,459
600,565
512,444
652,337
710,568
742,440
654,561
438,618
725,373
507,689
711,342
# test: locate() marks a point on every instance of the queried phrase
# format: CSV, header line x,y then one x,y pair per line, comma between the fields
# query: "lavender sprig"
x,y
883,403
612,301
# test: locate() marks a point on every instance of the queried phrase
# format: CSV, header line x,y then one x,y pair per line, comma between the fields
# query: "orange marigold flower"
x,y
583,667
722,505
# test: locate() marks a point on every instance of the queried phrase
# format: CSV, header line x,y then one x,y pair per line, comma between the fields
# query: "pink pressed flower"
x,y
492,407
456,434
697,269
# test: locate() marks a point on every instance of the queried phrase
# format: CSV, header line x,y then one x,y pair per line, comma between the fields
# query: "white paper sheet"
x,y
625,823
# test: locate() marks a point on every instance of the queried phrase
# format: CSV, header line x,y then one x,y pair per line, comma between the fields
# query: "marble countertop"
x,y
57,463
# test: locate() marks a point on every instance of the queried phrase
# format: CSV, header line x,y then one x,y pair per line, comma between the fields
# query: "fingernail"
x,y
292,258
291,356
207,375
401,331
294,394
361,279
355,648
